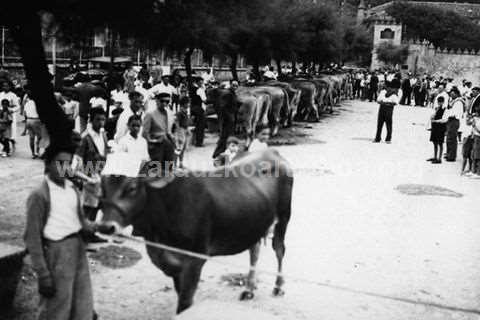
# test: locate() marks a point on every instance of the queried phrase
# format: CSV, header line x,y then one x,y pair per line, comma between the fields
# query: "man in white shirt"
x,y
135,108
33,126
454,115
388,99
132,143
163,87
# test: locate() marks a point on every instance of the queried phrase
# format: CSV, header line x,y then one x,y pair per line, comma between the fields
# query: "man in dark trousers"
x,y
407,92
373,87
388,99
454,115
198,108
157,130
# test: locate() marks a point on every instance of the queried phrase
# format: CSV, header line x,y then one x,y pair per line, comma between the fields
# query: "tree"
x,y
391,54
443,28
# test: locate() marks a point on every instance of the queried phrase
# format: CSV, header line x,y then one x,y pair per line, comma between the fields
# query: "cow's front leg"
x,y
186,283
252,274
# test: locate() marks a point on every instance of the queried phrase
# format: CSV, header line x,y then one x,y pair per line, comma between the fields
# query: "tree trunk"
x,y
28,38
279,67
187,61
294,67
233,66
256,70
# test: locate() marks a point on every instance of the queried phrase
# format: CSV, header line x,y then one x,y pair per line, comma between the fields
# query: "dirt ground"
x,y
377,232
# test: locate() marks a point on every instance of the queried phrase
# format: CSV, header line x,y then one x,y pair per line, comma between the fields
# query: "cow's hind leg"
x,y
186,283
252,275
278,244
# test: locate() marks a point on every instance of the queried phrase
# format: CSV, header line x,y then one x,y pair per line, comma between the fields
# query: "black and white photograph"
x,y
240,159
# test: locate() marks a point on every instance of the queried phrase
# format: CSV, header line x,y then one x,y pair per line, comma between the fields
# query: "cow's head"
x,y
123,200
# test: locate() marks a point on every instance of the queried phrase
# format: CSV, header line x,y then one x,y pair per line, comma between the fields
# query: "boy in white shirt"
x,y
132,143
260,141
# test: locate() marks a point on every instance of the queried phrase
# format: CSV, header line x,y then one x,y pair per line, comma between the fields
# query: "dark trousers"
x,y
373,93
406,97
384,117
163,153
452,138
199,121
68,265
5,142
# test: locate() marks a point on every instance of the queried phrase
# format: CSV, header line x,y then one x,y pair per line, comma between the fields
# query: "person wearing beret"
x,y
157,130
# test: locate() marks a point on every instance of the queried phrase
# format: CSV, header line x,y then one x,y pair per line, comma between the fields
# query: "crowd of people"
x,y
455,116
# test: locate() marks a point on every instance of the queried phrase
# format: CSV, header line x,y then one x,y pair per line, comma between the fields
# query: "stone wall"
x,y
380,30
457,64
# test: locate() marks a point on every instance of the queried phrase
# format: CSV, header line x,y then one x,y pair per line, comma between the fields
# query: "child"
x,y
71,108
181,130
260,141
132,143
5,127
229,155
437,134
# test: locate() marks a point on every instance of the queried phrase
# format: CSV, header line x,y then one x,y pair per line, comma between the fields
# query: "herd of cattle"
x,y
276,104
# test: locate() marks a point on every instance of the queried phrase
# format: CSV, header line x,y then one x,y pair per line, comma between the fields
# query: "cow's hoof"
x,y
278,292
246,295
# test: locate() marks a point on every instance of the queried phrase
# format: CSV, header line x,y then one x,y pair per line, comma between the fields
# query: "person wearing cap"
x,y
388,99
164,87
454,115
157,130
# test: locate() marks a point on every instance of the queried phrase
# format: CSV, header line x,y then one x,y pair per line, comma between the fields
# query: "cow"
x,y
293,98
280,107
217,213
226,106
253,110
307,106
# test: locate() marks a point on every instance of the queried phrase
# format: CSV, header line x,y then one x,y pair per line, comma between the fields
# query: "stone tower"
x,y
361,12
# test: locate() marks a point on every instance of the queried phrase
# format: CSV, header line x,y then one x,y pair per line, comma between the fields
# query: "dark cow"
x,y
223,213
226,106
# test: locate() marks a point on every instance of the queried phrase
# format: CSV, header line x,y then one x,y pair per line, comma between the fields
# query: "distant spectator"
x,y
388,99
180,131
5,127
439,119
132,143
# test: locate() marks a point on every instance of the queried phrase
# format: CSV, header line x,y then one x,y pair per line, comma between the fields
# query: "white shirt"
x,y
135,147
119,96
63,219
394,98
12,98
99,102
30,109
162,88
71,108
270,75
98,140
203,95
456,110
445,95
256,145
122,123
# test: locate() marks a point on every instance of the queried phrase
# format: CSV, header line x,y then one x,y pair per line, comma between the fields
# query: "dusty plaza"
x,y
367,250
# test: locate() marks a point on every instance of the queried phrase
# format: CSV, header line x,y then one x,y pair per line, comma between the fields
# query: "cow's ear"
x,y
159,183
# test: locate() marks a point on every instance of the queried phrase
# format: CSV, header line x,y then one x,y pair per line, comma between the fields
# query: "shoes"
x,y
376,141
388,142
467,173
431,159
451,160
437,161
3,155
34,156
475,176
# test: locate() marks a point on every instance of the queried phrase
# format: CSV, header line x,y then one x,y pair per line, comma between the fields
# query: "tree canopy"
x,y
443,28
391,54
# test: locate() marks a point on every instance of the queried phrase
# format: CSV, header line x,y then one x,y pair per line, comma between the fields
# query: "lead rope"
x,y
290,277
